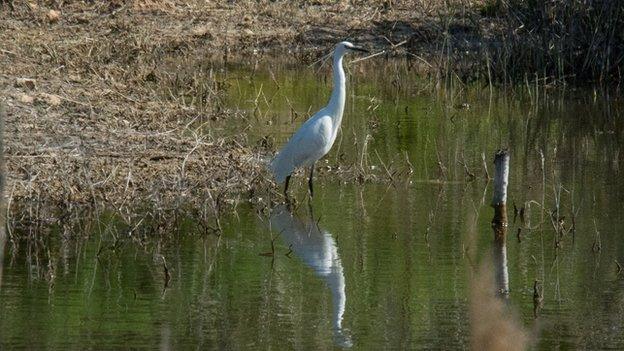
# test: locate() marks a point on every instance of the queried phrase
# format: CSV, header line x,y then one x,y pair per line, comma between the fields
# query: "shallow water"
x,y
379,265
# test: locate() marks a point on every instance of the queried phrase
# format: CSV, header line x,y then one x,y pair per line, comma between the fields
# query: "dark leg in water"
x,y
286,186
310,181
311,210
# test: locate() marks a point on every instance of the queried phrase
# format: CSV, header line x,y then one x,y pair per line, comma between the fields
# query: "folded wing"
x,y
311,142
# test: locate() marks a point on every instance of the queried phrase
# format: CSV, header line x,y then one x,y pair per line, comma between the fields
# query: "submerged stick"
x,y
167,277
485,169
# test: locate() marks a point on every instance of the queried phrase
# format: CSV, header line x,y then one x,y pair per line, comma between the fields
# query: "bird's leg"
x,y
310,181
311,210
286,186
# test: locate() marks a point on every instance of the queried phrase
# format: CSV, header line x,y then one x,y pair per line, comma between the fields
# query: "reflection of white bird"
x,y
318,250
316,136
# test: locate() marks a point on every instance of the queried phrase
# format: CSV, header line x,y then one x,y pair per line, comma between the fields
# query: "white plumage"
x,y
318,249
316,136
311,142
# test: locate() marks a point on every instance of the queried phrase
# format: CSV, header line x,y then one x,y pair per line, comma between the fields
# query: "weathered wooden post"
x,y
501,179
499,222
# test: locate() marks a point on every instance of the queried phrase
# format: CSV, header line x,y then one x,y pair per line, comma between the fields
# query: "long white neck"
x,y
339,94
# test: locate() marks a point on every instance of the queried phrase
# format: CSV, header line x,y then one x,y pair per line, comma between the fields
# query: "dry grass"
x,y
114,103
97,115
571,41
511,42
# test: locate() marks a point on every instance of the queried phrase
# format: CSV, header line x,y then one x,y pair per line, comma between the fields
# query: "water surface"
x,y
385,264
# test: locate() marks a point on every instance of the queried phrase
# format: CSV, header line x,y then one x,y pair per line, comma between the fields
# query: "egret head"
x,y
344,47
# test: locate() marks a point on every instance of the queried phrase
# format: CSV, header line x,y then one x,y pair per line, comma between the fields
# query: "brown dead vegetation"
x,y
104,105
97,98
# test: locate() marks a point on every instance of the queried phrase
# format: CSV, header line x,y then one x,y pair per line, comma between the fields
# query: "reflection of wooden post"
x,y
499,222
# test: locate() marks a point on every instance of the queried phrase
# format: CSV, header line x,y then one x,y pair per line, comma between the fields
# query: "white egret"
x,y
316,136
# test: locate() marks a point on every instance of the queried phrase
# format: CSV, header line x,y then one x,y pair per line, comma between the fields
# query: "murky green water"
x,y
378,265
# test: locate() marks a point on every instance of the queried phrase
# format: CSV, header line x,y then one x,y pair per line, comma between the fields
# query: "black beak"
x,y
360,49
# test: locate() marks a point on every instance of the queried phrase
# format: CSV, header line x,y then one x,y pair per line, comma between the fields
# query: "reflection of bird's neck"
x,y
338,96
336,283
